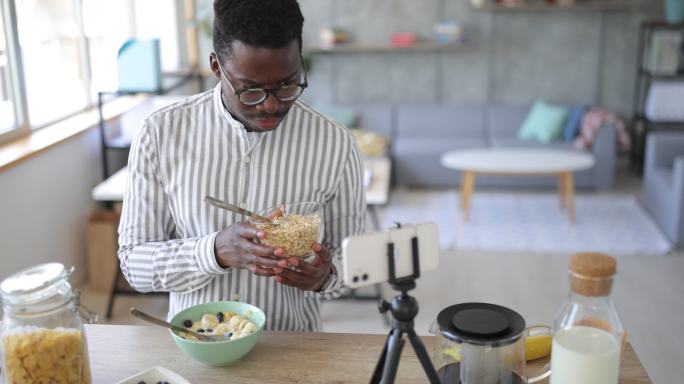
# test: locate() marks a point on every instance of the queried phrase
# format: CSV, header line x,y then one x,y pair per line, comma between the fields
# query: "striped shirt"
x,y
195,148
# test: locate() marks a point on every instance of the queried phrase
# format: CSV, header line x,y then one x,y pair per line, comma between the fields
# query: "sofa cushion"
x,y
543,123
515,143
343,115
435,146
504,121
376,118
663,177
441,122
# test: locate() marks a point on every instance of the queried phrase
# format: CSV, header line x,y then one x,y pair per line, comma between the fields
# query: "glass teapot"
x,y
482,343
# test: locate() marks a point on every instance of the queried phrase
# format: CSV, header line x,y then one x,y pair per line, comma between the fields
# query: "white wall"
x,y
45,203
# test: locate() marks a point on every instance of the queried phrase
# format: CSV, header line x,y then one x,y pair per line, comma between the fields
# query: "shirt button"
x,y
247,160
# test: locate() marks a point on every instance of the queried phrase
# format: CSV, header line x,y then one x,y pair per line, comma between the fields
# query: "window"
x,y
106,31
49,37
55,55
158,19
8,117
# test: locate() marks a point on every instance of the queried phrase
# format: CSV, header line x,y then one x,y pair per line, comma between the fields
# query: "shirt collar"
x,y
223,112
248,139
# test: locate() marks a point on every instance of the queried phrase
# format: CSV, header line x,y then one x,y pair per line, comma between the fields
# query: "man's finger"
x,y
257,270
286,281
261,261
309,269
278,212
249,231
322,253
293,275
257,249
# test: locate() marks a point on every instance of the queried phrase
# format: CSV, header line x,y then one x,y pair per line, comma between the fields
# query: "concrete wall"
x,y
516,57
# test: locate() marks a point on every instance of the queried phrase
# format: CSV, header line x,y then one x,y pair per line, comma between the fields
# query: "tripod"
x,y
404,309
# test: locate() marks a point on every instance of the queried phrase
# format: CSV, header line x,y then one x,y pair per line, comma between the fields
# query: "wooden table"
x,y
119,351
560,163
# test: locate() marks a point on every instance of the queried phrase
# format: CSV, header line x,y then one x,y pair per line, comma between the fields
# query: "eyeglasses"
x,y
257,95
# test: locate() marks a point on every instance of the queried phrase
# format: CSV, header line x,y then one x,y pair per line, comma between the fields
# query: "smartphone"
x,y
365,257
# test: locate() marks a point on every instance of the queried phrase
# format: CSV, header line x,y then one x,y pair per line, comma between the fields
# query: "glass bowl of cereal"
x,y
296,226
240,324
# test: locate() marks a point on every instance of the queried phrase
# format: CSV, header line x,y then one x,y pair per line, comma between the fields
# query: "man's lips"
x,y
267,122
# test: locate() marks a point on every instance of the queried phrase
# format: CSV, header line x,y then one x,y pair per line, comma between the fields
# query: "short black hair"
x,y
258,23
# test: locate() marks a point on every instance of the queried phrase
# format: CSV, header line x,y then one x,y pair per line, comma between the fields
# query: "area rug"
x,y
531,222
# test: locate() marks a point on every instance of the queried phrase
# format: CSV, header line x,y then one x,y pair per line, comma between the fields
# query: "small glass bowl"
x,y
303,225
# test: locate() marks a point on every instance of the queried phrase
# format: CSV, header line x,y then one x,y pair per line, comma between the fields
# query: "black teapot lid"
x,y
481,323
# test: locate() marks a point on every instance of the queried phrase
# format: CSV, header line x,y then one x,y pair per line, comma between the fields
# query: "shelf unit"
x,y
421,47
170,82
641,125
578,5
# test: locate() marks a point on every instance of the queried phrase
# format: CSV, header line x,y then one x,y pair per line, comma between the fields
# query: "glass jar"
x,y
588,336
43,340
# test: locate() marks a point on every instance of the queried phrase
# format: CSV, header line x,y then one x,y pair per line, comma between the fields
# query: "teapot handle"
x,y
540,330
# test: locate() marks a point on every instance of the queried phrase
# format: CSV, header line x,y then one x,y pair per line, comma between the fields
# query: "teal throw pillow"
x,y
544,123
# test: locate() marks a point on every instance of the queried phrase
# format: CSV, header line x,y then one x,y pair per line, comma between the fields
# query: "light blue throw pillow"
x,y
544,123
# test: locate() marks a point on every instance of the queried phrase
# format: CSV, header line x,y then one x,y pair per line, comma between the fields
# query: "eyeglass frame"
x,y
267,91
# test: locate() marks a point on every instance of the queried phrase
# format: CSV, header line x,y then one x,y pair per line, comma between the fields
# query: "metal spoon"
x,y
162,323
234,208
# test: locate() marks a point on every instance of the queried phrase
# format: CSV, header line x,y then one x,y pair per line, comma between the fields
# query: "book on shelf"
x,y
664,52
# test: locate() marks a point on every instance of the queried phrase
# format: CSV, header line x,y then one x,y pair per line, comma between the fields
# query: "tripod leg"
x,y
422,354
395,343
377,373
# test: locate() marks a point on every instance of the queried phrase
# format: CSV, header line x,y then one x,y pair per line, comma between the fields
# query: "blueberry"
x,y
201,330
187,323
219,316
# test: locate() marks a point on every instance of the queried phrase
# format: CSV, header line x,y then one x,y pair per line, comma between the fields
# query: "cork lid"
x,y
591,273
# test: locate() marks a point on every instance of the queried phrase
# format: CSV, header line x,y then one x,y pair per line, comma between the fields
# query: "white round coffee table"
x,y
519,162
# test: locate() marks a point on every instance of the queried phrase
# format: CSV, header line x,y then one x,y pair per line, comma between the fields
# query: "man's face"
x,y
250,67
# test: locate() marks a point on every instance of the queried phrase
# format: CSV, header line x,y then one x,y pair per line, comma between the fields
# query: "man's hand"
x,y
234,247
309,276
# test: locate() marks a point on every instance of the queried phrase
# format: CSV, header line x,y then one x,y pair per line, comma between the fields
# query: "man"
x,y
251,143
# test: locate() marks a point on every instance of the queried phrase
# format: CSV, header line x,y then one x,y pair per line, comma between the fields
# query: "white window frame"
x,y
16,81
16,68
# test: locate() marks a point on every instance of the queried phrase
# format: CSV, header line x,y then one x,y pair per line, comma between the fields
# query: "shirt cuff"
x,y
206,259
334,281
331,288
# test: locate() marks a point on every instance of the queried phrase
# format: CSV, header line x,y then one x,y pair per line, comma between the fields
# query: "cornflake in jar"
x,y
296,234
40,355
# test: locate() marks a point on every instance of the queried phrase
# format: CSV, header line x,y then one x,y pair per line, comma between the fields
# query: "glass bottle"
x,y
43,339
588,336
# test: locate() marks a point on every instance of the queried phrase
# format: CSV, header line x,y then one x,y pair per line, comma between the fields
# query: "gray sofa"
x,y
664,183
421,133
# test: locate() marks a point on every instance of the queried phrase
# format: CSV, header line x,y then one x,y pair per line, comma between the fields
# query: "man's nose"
x,y
271,104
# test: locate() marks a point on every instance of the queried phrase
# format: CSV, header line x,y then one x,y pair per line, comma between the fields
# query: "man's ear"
x,y
214,65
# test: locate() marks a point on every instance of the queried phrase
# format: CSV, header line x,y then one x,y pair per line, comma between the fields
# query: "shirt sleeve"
x,y
345,215
151,258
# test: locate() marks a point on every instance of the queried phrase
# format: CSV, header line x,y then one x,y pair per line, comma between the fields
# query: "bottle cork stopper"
x,y
591,274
